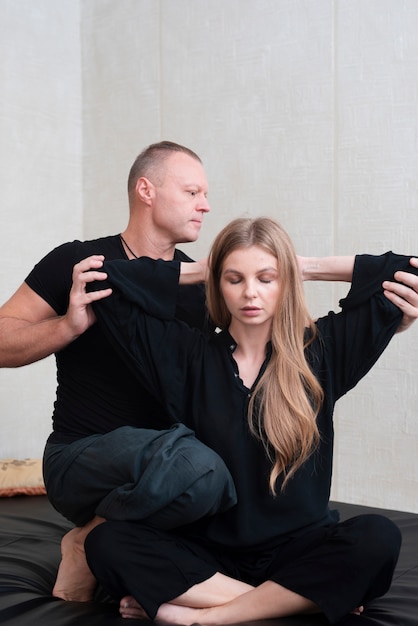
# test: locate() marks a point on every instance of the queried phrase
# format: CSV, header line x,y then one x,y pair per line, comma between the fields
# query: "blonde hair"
x,y
283,409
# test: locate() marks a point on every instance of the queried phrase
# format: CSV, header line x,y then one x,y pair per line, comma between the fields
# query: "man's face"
x,y
180,199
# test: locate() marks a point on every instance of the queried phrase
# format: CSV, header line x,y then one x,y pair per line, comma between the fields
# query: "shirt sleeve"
x,y
370,272
353,340
139,319
144,283
51,277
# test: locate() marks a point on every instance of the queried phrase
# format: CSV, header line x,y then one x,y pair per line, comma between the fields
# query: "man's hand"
x,y
404,294
80,315
31,330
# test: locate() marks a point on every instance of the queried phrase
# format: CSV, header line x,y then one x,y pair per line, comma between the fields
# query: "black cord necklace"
x,y
128,248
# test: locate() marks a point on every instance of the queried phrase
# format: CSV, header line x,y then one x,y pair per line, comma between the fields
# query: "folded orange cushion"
x,y
21,477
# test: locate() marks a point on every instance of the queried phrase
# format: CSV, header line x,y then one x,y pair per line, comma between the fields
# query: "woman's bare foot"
x,y
167,613
358,611
75,580
130,608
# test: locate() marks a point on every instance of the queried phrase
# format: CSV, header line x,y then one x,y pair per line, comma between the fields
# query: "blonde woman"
x,y
260,393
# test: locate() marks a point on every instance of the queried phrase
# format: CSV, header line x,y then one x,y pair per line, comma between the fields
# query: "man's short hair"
x,y
152,158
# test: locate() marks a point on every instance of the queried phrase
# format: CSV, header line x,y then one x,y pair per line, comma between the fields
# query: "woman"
x,y
261,393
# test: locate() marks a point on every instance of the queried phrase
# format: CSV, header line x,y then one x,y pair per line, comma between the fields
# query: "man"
x,y
99,406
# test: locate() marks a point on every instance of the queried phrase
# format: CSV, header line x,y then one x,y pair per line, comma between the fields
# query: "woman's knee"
x,y
378,539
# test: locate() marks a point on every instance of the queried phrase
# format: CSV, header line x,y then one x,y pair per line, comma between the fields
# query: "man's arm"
x,y
31,330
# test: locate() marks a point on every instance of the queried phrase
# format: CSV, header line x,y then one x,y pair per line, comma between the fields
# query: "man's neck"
x,y
150,246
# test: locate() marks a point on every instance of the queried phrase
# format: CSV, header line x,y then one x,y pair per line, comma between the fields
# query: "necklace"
x,y
128,248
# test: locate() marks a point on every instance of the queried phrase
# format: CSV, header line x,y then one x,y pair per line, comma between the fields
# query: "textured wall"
x,y
376,190
40,181
303,110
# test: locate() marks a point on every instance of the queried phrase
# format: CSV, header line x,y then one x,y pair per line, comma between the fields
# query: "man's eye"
x,y
192,193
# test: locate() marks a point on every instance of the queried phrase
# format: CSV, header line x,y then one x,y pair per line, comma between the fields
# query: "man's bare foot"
x,y
75,580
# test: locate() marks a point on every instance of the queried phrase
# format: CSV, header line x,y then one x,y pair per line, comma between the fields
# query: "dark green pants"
x,y
167,478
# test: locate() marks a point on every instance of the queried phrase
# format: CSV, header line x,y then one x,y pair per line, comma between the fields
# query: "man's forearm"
x,y
22,342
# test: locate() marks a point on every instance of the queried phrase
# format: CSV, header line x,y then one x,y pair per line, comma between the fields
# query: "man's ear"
x,y
145,190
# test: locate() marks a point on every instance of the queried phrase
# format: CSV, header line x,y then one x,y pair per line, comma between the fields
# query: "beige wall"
x,y
304,110
40,181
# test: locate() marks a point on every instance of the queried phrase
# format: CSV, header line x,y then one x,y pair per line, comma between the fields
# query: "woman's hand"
x,y
404,295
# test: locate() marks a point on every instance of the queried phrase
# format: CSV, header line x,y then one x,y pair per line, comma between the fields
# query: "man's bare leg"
x,y
75,580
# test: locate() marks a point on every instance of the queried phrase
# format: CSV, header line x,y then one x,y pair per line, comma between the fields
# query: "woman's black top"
x,y
196,378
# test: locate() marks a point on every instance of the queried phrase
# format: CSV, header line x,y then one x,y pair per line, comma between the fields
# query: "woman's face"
x,y
250,286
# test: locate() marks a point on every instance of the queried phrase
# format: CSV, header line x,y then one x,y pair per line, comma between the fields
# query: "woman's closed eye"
x,y
267,278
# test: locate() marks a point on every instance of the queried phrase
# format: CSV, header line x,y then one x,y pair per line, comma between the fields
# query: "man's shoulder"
x,y
78,249
109,246
51,277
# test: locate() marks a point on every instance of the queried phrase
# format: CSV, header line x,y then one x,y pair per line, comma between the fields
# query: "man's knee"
x,y
213,487
207,487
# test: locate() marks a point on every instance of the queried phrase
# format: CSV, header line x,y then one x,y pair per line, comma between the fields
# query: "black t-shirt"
x,y
96,392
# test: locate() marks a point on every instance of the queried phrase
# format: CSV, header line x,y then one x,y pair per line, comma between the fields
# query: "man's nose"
x,y
204,206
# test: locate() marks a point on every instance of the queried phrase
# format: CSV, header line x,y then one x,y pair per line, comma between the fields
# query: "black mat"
x,y
30,535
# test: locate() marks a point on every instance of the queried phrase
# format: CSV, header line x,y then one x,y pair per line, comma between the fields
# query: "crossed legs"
x,y
229,600
169,578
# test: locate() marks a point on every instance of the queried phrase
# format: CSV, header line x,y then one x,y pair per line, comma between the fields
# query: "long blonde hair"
x,y
283,409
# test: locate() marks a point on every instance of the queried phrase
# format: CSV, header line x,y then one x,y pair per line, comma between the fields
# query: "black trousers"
x,y
338,567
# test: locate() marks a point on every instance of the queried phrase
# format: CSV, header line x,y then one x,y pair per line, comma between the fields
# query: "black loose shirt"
x,y
196,378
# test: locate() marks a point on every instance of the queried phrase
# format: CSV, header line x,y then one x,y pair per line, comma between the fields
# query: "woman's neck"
x,y
250,352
